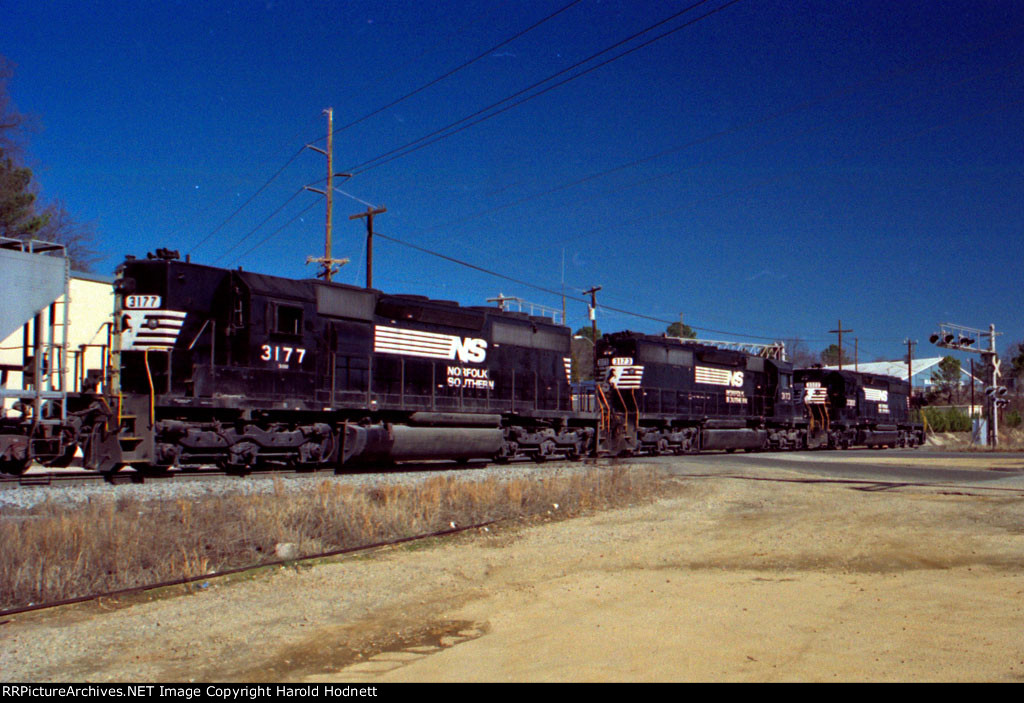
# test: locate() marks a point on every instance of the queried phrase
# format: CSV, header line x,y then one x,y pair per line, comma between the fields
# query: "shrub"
x,y
946,419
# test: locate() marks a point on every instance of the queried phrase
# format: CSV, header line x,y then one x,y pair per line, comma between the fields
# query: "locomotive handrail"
x,y
604,407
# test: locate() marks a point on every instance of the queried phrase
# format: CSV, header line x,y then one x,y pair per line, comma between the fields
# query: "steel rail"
x,y
237,570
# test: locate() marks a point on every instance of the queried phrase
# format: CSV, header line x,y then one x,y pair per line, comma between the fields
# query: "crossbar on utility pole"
x,y
370,212
840,331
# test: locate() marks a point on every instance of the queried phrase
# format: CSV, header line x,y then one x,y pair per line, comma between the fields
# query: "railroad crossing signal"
x,y
997,394
951,336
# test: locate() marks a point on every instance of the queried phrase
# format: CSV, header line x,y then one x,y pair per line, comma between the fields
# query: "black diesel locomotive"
x,y
662,393
239,369
845,408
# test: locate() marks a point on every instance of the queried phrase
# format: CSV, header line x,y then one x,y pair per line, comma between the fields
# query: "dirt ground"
x,y
726,580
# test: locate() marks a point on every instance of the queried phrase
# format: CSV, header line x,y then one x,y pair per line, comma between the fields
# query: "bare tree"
x,y
799,353
78,237
20,213
12,123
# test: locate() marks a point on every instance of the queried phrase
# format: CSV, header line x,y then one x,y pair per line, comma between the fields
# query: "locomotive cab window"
x,y
286,319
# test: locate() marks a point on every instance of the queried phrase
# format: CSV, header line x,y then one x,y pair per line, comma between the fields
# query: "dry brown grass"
x,y
57,552
1010,440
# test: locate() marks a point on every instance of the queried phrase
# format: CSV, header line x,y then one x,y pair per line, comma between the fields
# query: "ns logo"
x,y
430,345
470,350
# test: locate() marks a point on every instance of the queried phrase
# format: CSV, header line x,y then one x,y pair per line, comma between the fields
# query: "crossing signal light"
x,y
948,339
966,341
934,339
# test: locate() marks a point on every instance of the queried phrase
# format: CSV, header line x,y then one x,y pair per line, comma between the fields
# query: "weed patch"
x,y
121,542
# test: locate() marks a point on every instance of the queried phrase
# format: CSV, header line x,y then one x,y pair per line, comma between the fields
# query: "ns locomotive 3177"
x,y
239,369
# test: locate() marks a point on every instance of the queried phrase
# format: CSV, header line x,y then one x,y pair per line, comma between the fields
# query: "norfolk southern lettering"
x,y
467,377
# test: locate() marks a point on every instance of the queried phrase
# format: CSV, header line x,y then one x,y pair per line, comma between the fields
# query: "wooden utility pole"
x,y
910,369
327,263
592,292
992,359
370,212
839,330
971,413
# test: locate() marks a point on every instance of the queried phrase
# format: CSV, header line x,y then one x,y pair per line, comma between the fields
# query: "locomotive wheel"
x,y
14,467
505,454
65,459
575,453
544,452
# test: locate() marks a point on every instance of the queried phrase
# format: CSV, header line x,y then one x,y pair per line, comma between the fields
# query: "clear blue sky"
x,y
765,171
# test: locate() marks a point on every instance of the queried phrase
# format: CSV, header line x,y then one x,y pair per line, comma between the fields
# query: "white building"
x,y
90,311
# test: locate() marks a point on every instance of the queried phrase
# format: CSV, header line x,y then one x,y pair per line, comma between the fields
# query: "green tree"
x,y
681,330
830,356
583,354
1016,354
946,378
18,218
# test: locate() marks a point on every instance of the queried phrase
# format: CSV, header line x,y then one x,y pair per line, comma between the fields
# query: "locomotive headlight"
x,y
124,286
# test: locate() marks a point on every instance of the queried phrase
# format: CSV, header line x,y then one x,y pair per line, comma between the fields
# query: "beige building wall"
x,y
90,309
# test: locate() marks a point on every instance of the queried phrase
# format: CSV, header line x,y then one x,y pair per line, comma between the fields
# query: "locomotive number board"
x,y
142,302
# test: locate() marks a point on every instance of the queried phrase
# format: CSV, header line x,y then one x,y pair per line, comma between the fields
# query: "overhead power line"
x,y
803,105
391,104
263,241
262,222
443,133
455,70
559,293
251,198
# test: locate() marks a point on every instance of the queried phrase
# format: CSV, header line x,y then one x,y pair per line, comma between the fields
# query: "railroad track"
x,y
130,476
